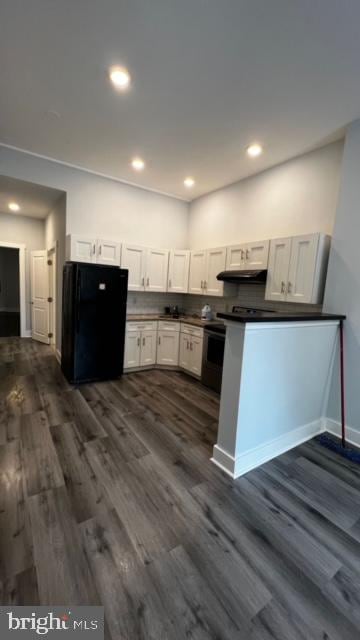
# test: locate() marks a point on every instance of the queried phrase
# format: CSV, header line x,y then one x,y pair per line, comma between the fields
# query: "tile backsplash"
x,y
247,296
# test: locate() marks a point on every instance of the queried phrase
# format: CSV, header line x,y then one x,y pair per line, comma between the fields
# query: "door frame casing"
x,y
24,333
52,255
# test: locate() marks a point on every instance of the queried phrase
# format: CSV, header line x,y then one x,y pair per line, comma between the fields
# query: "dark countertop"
x,y
195,321
268,316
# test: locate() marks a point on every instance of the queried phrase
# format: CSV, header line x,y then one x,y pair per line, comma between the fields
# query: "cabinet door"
x,y
235,257
215,263
148,348
108,252
196,349
301,277
81,249
133,258
256,255
197,272
132,349
278,269
157,262
179,263
185,353
168,348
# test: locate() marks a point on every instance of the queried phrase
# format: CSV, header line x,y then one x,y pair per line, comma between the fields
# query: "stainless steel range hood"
x,y
243,276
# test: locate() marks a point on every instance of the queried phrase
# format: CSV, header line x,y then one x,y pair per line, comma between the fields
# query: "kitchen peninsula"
x,y
276,374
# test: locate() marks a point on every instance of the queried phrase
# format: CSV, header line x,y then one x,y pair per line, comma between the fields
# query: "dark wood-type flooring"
x,y
9,324
107,496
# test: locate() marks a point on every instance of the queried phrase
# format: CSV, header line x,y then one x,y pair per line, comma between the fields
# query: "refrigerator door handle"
x,y
78,297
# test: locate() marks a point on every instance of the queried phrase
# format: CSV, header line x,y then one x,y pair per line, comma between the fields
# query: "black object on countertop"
x,y
93,323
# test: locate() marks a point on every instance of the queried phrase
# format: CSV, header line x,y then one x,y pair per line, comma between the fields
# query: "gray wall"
x,y
296,197
27,231
102,207
55,236
342,293
9,279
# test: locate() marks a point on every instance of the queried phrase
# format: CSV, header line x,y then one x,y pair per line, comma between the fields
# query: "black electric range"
x,y
214,345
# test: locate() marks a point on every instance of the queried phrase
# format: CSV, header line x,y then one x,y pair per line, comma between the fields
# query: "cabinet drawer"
x,y
192,330
165,325
147,325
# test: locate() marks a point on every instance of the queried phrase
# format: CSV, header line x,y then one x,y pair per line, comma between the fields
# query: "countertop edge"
x,y
281,317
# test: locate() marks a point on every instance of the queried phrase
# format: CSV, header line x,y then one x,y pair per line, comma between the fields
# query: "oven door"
x,y
213,358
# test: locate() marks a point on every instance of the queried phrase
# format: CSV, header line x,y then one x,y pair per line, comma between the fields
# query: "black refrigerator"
x,y
93,321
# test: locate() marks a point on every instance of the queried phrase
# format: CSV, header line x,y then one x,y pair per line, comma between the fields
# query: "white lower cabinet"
x,y
148,348
191,348
168,348
132,349
140,344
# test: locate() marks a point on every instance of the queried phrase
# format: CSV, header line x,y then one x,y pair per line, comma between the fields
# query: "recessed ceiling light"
x,y
138,164
189,182
254,150
120,77
13,206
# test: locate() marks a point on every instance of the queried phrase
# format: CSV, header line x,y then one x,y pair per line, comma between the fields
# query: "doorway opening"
x,y
9,292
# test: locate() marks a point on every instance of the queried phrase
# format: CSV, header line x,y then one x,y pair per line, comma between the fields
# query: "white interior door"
x,y
277,277
157,264
39,296
133,258
215,263
197,272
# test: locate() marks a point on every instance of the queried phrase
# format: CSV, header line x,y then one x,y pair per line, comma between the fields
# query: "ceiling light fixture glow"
x,y
254,150
13,206
138,164
120,77
189,182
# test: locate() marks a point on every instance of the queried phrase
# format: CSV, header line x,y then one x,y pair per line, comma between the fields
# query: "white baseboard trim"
x,y
253,458
27,334
352,435
58,355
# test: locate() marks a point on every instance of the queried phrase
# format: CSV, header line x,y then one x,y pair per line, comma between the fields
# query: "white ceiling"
x,y
209,77
34,200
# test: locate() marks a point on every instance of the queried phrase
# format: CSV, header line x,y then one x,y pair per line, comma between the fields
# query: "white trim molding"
x,y
58,355
352,436
22,282
253,458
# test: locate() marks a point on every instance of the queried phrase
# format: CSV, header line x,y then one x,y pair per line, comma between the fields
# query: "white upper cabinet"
x,y
278,269
251,255
80,248
108,252
157,263
133,258
197,274
205,265
297,268
178,277
215,263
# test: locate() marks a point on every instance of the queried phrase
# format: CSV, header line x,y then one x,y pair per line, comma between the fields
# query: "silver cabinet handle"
x,y
143,281
205,284
147,282
159,340
100,250
242,254
247,254
202,284
289,287
187,344
282,286
94,248
169,284
191,346
138,342
143,342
